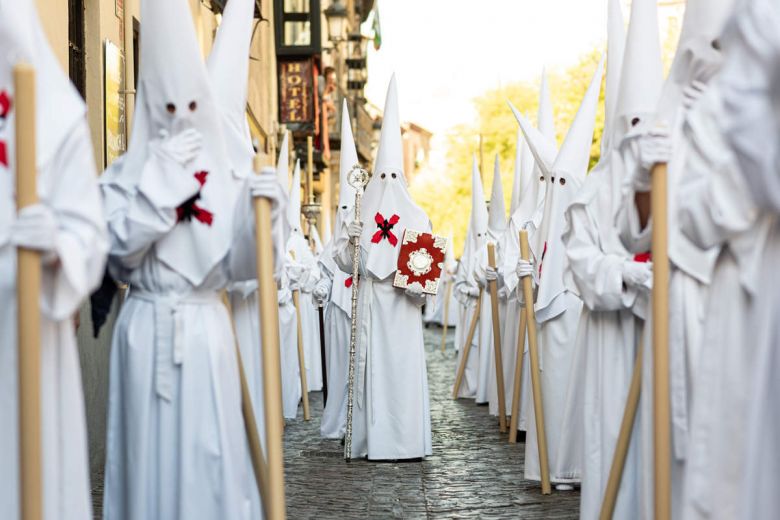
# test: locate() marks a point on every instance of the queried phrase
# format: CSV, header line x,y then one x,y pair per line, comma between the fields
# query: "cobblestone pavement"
x,y
473,473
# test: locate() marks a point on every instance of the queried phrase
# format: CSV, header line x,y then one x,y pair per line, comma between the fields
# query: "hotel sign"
x,y
296,92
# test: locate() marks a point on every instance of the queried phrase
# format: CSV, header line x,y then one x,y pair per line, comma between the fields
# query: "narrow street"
x,y
473,473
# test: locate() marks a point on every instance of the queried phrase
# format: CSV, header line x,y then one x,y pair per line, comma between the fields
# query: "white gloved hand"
x,y
355,229
414,290
491,275
470,291
181,148
693,92
36,228
503,292
524,268
284,297
637,274
654,147
266,185
321,290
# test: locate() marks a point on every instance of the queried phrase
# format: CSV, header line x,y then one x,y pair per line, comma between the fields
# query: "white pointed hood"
x,y
696,58
616,43
497,213
387,207
348,159
296,242
567,175
530,182
59,108
175,94
517,181
58,105
294,200
642,72
316,241
228,67
476,237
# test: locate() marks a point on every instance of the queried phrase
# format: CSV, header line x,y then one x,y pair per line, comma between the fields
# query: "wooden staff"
x,y
661,402
518,381
499,362
624,440
309,170
275,505
467,346
250,422
447,298
536,383
28,292
296,295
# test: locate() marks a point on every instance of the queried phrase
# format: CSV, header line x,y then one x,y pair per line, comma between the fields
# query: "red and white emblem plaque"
x,y
420,260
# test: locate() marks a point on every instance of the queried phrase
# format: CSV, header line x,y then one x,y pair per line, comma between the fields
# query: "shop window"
x,y
77,65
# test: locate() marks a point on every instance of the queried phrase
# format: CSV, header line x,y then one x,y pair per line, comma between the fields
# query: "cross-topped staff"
x,y
358,178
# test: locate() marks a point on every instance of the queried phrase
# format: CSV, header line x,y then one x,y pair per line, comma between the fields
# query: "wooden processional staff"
x,y
536,383
499,363
660,305
28,292
466,347
518,381
272,381
296,296
624,439
446,320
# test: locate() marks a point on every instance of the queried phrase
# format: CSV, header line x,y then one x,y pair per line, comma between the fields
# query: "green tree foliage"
x,y
447,197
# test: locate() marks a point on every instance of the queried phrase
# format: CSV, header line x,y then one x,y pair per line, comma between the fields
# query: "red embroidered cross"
x,y
385,226
190,209
643,258
348,282
5,108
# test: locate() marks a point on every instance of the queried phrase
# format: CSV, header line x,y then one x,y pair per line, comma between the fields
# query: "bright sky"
x,y
446,52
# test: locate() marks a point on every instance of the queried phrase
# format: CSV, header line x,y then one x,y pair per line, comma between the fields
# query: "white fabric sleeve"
x,y
68,185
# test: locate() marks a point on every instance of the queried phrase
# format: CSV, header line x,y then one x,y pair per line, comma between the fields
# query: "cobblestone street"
x,y
473,473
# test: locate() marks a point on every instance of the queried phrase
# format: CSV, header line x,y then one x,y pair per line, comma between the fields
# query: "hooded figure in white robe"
x,y
659,140
228,68
467,290
557,307
717,209
497,225
733,204
335,286
68,229
613,284
288,318
303,274
526,215
391,410
439,305
181,228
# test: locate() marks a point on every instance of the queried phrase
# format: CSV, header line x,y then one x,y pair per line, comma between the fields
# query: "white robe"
x,y
67,186
467,306
303,274
338,326
176,446
733,468
749,84
391,415
288,345
605,353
